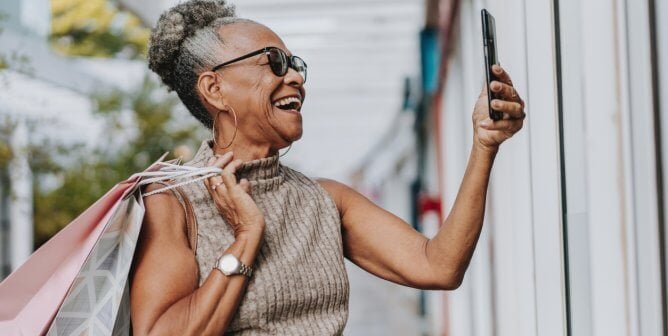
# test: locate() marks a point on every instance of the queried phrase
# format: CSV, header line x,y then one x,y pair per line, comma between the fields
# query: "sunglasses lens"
x,y
299,65
278,62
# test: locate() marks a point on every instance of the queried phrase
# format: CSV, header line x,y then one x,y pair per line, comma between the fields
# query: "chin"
x,y
296,136
293,135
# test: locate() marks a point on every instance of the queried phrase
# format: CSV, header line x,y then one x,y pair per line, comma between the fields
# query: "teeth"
x,y
286,101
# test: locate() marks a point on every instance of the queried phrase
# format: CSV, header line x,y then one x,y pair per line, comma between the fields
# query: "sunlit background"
x,y
574,241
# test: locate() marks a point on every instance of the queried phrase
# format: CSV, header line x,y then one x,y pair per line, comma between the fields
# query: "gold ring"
x,y
216,185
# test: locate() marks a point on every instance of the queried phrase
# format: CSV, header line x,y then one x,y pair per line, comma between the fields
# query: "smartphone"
x,y
491,58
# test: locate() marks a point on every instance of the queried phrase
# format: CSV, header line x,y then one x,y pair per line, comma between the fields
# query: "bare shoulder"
x,y
336,189
340,193
164,213
332,186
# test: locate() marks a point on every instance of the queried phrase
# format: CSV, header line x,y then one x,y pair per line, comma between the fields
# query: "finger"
x,y
221,188
245,185
228,173
501,74
209,183
213,180
513,109
508,125
222,160
506,92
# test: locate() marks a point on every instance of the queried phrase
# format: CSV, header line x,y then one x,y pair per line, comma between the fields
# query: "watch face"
x,y
229,263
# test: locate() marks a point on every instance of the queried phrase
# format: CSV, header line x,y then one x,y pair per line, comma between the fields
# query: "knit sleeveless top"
x,y
299,284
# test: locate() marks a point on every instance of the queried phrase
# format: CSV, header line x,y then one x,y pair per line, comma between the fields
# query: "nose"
x,y
293,78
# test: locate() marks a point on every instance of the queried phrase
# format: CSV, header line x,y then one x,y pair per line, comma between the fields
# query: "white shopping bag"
x,y
98,301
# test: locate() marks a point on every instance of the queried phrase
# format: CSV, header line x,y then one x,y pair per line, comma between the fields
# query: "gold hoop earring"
x,y
236,127
286,152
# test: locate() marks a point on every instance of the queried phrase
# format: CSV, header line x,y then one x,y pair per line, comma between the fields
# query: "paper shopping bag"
x,y
96,302
32,294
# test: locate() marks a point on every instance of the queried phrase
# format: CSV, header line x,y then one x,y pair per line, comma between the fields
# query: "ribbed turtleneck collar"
x,y
263,174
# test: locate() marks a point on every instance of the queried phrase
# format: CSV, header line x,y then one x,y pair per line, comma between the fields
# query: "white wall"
x,y
661,11
514,286
596,207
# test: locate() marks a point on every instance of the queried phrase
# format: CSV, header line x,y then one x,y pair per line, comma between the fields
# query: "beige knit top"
x,y
299,284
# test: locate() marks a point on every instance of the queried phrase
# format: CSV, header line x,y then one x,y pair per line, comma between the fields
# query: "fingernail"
x,y
496,86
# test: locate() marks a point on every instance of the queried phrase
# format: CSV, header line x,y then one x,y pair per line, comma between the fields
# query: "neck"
x,y
246,151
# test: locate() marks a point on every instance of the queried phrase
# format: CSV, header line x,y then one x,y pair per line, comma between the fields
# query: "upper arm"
x,y
164,267
378,241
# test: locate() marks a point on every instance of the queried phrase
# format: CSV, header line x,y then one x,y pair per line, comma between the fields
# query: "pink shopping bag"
x,y
33,293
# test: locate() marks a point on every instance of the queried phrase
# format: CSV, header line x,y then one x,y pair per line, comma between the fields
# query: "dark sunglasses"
x,y
278,61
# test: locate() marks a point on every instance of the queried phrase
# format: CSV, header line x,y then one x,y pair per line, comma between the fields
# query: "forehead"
x,y
244,37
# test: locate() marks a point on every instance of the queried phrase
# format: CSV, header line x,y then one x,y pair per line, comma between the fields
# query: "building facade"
x,y
574,241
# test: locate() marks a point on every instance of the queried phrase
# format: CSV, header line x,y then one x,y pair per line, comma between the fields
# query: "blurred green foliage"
x,y
96,28
5,150
138,127
135,135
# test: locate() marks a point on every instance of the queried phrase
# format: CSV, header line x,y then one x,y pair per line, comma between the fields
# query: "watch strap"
x,y
245,270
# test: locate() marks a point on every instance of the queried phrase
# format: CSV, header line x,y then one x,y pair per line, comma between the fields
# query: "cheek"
x,y
256,101
265,90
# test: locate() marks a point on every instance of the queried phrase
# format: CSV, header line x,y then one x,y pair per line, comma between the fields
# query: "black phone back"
x,y
491,57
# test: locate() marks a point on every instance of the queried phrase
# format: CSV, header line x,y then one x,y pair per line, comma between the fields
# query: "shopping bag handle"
x,y
169,171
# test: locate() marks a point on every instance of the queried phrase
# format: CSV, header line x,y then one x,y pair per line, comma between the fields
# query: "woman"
x,y
268,254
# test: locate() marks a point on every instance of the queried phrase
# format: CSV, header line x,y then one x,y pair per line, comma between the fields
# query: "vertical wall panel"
x,y
609,171
574,167
661,36
605,170
546,190
507,280
454,121
512,180
644,265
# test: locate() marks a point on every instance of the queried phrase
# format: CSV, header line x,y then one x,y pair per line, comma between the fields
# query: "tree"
x,y
140,126
96,28
152,120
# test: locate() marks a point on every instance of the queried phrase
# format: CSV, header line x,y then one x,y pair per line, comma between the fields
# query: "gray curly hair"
x,y
184,43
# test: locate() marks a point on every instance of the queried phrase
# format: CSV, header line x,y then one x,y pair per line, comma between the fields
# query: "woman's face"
x,y
251,88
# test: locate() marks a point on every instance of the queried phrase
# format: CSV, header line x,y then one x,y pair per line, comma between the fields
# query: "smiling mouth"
x,y
289,103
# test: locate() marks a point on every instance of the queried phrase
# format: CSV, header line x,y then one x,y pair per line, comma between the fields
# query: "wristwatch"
x,y
229,264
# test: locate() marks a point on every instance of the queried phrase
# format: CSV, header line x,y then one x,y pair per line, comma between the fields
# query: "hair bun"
x,y
175,26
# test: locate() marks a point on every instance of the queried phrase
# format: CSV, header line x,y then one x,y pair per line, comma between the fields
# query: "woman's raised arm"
x,y
390,248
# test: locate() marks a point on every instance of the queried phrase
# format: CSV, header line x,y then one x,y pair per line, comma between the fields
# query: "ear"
x,y
211,90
